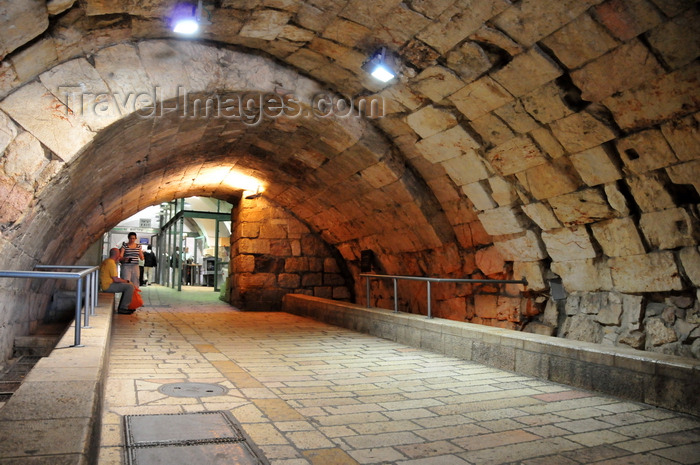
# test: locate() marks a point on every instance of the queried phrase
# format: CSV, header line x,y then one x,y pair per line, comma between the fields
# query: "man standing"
x,y
150,263
111,282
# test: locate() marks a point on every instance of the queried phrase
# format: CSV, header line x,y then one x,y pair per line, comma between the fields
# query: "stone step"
x,y
35,345
42,342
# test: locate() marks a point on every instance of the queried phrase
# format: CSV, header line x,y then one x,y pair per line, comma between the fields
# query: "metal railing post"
x,y
367,283
430,302
96,290
89,273
396,296
88,294
79,298
78,311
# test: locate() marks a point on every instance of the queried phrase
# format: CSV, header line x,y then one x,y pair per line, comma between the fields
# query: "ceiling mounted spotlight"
x,y
187,18
381,66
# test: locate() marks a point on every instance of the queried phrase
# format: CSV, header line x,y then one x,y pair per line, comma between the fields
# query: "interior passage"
x,y
309,393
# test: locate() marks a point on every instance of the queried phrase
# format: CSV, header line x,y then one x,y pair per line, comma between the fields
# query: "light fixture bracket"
x,y
381,65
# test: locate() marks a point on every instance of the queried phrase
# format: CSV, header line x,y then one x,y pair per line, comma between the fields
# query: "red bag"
x,y
136,299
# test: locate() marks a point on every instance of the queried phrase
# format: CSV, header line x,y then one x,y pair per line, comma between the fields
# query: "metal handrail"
x,y
395,278
88,273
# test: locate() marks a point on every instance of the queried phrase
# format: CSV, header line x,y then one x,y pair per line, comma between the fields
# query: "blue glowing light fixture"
x,y
379,66
187,18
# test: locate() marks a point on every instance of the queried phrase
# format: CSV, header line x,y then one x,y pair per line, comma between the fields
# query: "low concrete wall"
x,y
662,380
54,417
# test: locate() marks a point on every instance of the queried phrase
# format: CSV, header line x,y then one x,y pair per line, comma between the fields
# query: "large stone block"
x,y
486,305
668,229
527,71
626,20
677,41
479,196
489,261
345,32
658,333
265,24
502,191
21,22
515,116
33,60
550,179
430,120
618,237
581,131
690,259
518,154
80,87
542,214
24,159
546,103
469,60
254,246
120,67
533,272
586,206
453,26
645,151
42,114
631,312
492,130
502,221
466,168
616,198
437,82
582,328
626,67
596,166
684,137
654,272
547,142
529,21
650,192
584,275
566,244
685,173
526,247
8,131
480,97
663,99
580,41
447,144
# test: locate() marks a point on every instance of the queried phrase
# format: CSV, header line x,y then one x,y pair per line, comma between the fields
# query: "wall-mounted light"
x,y
381,66
250,195
186,18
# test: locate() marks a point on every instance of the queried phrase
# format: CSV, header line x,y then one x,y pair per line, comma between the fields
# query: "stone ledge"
x,y
54,417
657,379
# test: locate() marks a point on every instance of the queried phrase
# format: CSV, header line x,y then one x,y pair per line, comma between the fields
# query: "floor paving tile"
x,y
307,393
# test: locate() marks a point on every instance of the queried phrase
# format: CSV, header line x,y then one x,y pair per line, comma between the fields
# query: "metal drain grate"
x,y
183,439
192,390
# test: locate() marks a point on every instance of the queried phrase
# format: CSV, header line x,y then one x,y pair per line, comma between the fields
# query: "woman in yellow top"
x,y
130,254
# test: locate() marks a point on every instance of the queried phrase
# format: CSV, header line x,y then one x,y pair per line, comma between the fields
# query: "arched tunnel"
x,y
556,141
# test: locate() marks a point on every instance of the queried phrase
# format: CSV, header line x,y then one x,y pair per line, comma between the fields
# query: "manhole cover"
x,y
210,438
192,390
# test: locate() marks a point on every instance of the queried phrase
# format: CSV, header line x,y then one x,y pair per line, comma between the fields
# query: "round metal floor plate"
x,y
192,390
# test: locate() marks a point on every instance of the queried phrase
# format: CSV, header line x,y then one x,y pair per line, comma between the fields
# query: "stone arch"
x,y
88,163
98,146
572,153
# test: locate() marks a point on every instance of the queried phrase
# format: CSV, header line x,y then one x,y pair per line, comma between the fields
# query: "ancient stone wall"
x,y
273,254
545,139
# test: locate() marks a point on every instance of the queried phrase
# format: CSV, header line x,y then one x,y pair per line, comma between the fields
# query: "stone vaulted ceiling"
x,y
522,137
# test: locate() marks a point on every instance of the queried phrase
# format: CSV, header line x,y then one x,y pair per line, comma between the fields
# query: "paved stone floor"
x,y
309,393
